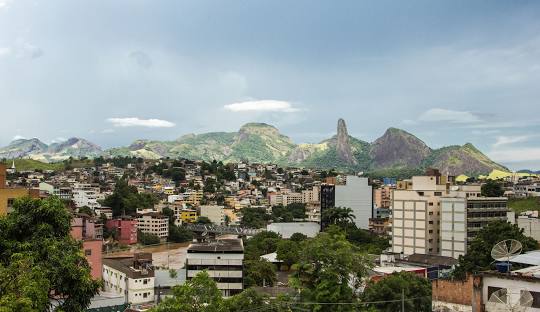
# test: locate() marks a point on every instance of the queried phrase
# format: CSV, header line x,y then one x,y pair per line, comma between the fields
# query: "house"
x,y
131,276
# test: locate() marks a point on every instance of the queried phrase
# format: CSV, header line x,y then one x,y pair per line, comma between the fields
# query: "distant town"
x,y
148,227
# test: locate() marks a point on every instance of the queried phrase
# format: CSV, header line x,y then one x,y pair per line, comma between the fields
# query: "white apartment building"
x,y
86,195
222,260
416,212
356,194
311,196
530,226
131,277
462,218
154,223
285,199
215,213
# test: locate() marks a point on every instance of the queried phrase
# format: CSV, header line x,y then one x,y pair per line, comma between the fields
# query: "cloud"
x,y
516,155
408,122
142,59
262,106
18,137
58,140
21,49
137,122
5,51
4,4
505,140
453,116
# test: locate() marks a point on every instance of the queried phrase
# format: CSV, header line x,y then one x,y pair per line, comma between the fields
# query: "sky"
x,y
113,71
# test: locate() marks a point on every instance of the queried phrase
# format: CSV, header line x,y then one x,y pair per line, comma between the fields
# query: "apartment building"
x,y
86,195
383,196
286,199
327,199
222,260
9,194
416,211
154,223
311,196
214,213
132,277
84,228
463,217
126,228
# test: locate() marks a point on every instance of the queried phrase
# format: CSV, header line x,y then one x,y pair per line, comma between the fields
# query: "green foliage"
x,y
30,164
337,216
179,234
492,189
203,220
199,294
37,248
328,266
256,218
261,244
168,212
391,288
288,251
125,199
298,237
478,257
366,240
524,204
288,213
259,273
86,210
147,238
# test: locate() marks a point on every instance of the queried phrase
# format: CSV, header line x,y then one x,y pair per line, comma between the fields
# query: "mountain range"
x,y
396,149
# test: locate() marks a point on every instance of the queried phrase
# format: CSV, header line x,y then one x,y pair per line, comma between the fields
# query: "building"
x,y
132,277
85,195
356,194
380,226
462,218
287,229
154,223
84,228
126,229
416,211
383,197
530,226
311,196
9,194
214,213
328,199
223,261
188,215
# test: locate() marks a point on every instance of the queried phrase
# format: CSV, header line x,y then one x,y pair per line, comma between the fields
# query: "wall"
x,y
456,295
12,193
94,247
357,194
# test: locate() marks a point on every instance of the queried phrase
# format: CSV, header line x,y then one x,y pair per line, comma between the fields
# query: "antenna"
x,y
499,301
506,249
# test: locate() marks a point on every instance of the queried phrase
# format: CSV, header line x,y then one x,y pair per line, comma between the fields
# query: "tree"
x,y
147,238
337,215
86,210
288,251
203,220
199,294
37,248
247,300
260,244
329,270
254,218
492,189
298,237
259,273
392,286
168,212
478,257
126,199
179,234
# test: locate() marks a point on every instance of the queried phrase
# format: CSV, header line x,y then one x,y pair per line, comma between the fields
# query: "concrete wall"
x,y
456,295
356,194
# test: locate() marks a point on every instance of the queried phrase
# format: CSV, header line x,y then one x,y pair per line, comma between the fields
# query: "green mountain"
x,y
395,152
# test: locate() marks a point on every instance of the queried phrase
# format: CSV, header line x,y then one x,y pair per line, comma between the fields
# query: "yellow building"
x,y
194,198
8,195
188,215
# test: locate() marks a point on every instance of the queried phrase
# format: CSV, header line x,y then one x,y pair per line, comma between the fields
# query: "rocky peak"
x,y
398,148
343,147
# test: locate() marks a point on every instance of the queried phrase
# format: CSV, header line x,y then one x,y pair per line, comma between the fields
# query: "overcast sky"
x,y
110,71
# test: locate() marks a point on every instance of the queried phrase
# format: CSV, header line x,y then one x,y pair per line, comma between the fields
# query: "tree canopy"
x,y
492,189
125,199
40,263
478,257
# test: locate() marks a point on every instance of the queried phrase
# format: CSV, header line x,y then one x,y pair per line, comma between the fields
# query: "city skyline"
x,y
447,73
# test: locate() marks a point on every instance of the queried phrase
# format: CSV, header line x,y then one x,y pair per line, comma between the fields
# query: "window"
x,y
421,193
502,293
88,252
145,281
145,295
438,193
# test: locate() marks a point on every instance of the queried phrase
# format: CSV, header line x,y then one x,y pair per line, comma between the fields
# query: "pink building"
x,y
127,230
84,228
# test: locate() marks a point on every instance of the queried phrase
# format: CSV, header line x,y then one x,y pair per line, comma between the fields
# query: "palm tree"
x,y
338,215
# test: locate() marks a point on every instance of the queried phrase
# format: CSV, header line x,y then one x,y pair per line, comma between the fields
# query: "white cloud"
x,y
137,122
408,122
515,155
262,106
5,51
441,114
18,137
505,140
4,4
58,140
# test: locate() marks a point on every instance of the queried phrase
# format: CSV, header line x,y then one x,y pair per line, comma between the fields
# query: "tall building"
x,y
222,260
214,213
356,194
383,196
416,211
328,199
154,223
462,218
9,194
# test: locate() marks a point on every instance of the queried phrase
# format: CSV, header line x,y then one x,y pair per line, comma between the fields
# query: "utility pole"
x,y
402,300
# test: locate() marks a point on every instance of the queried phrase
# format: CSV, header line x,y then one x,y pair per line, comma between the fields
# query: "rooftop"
x,y
221,246
125,265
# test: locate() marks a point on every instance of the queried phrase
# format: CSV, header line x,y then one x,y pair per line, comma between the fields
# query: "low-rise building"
x,y
126,229
132,277
214,213
9,194
154,223
223,261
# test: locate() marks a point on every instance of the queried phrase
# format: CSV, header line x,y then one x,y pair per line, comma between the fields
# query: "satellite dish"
x,y
506,249
499,301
